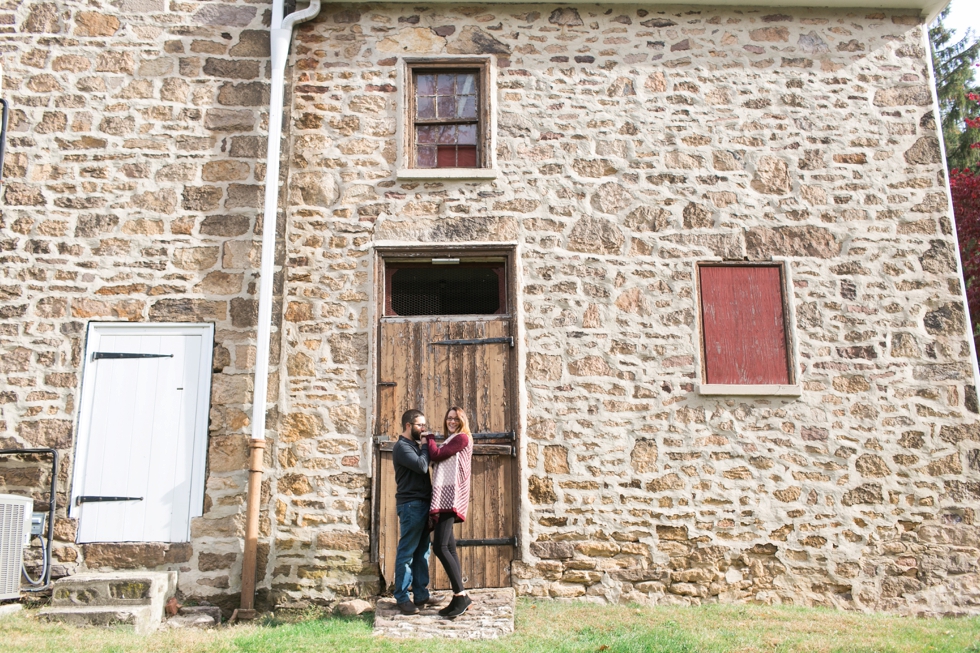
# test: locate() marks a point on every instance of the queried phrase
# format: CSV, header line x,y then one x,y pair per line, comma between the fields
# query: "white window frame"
x,y
405,122
792,389
199,462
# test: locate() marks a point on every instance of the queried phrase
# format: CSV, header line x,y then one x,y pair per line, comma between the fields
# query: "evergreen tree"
x,y
955,62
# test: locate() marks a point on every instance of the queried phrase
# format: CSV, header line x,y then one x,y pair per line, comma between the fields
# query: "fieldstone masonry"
x,y
131,190
632,141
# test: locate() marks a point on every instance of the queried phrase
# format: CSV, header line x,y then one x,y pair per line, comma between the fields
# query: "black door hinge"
x,y
490,541
90,499
509,340
99,355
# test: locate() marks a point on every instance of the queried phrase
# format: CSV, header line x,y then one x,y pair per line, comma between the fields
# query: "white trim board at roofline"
x,y
927,8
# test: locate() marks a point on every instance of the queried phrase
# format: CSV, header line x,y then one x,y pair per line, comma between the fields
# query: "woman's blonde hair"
x,y
464,422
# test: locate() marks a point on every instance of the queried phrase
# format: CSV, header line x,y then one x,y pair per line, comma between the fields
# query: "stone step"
x,y
490,616
135,599
117,588
140,617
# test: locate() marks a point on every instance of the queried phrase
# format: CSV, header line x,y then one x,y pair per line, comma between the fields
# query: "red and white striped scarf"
x,y
451,482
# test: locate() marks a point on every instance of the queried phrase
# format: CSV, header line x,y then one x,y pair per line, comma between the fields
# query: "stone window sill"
x,y
773,390
447,173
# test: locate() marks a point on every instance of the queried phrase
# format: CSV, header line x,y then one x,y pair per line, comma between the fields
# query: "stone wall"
x,y
632,142
132,187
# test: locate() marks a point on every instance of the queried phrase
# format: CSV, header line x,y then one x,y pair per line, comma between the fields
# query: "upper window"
x,y
447,114
450,288
447,118
743,325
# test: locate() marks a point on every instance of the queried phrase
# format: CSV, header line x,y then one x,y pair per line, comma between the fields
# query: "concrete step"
x,y
116,588
139,617
99,599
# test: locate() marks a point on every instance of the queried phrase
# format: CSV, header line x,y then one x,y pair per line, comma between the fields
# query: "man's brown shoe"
x,y
407,607
426,603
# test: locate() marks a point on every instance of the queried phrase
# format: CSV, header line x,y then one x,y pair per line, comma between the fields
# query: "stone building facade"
x,y
631,142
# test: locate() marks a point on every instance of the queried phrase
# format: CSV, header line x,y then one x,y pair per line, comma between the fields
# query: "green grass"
x,y
542,626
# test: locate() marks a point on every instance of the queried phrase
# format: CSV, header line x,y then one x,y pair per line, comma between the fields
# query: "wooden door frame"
x,y
422,251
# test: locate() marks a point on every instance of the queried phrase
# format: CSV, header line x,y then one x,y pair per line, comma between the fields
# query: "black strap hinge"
x,y
490,541
477,341
99,355
90,499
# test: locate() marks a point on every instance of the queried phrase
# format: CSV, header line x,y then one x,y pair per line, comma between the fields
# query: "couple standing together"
x,y
425,505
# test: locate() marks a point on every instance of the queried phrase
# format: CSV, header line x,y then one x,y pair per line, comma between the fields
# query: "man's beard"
x,y
416,433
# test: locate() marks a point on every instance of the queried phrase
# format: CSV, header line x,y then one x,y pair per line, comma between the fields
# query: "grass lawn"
x,y
542,626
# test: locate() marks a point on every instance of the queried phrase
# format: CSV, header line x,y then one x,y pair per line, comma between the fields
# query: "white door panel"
x,y
142,433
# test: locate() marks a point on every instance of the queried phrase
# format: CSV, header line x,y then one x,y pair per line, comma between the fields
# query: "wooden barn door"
x,y
432,364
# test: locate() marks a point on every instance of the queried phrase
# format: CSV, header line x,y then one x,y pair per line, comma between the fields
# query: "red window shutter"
x,y
743,324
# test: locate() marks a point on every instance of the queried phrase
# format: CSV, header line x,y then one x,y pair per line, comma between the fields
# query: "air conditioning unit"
x,y
15,533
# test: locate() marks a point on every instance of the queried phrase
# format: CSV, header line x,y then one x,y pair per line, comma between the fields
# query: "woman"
x,y
450,498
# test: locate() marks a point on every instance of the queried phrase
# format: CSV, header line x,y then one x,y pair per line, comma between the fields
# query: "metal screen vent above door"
x,y
461,289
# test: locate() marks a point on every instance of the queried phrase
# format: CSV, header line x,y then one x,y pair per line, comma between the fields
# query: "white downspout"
x,y
280,35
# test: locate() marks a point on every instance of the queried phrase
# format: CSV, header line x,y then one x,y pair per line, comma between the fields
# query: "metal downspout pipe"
x,y
280,35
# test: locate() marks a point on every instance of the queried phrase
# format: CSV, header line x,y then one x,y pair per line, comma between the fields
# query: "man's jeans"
x,y
412,558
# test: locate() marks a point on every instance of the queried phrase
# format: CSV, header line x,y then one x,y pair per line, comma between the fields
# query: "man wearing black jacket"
x,y
412,495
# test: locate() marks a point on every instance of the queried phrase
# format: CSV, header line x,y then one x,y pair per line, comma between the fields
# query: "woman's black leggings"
x,y
445,545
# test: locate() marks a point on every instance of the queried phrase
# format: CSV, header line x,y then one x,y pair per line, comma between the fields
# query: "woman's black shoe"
x,y
452,604
459,605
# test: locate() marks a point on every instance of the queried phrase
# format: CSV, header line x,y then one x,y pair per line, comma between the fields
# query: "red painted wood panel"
x,y
743,324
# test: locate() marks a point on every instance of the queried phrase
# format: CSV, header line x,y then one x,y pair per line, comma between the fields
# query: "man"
x,y
412,496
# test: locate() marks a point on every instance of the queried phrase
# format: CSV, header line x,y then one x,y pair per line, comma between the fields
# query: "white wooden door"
x,y
142,437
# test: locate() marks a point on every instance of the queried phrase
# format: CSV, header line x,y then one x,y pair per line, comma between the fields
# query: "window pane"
x,y
447,134
446,84
466,156
425,85
447,156
426,157
426,108
447,106
466,108
427,133
467,134
466,84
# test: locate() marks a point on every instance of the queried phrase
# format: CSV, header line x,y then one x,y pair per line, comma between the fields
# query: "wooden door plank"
x,y
498,370
388,544
172,437
396,365
509,501
481,552
497,493
439,381
384,423
476,374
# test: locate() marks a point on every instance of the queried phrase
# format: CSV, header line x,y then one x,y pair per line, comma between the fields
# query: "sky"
x,y
964,14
